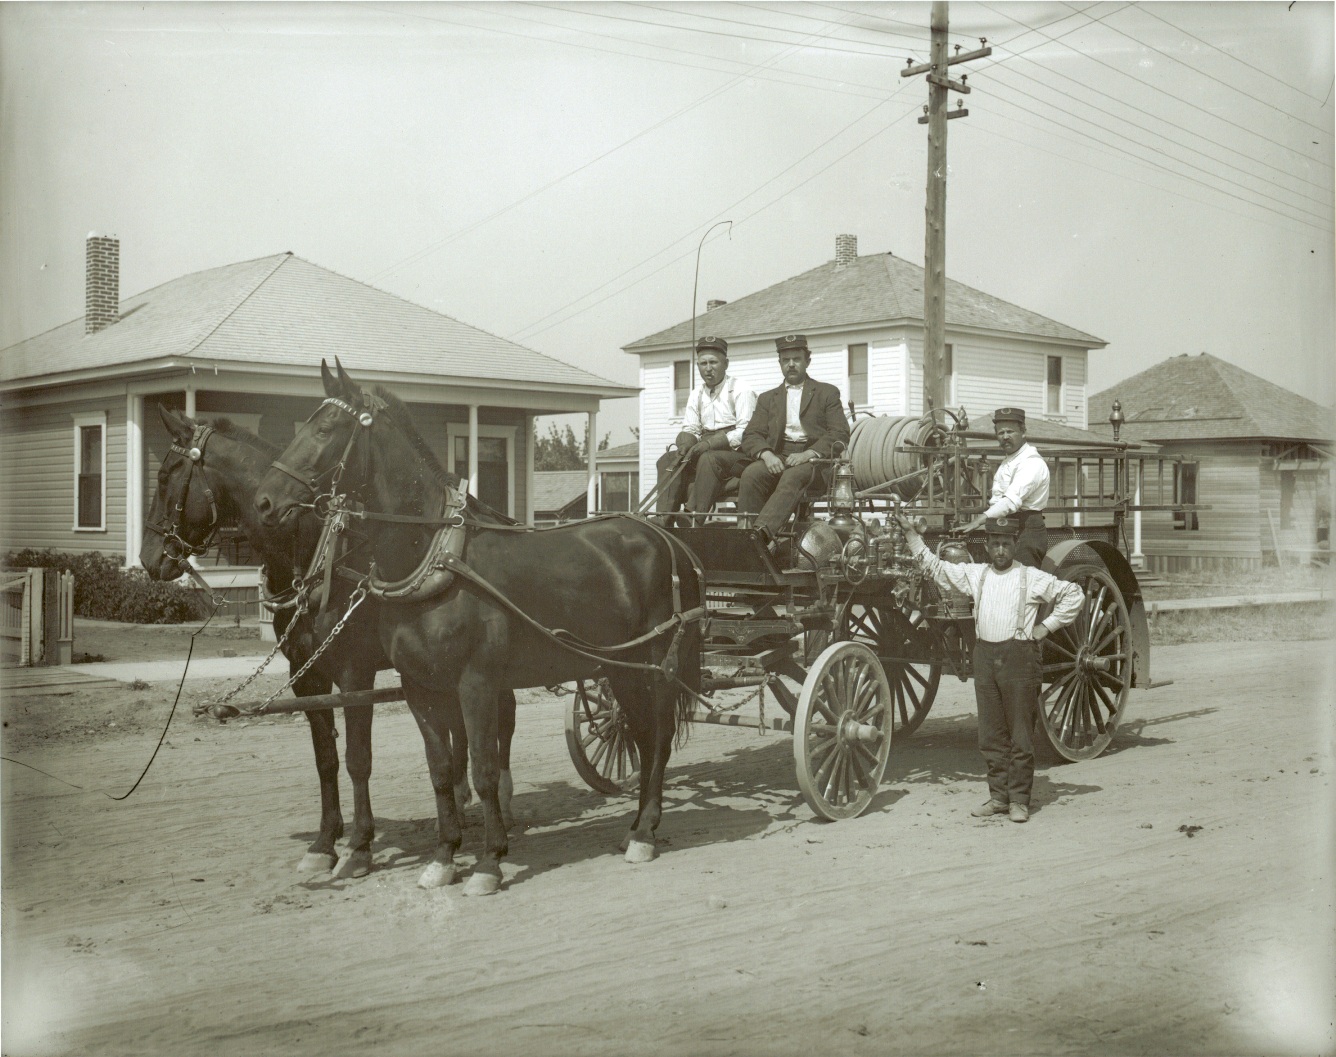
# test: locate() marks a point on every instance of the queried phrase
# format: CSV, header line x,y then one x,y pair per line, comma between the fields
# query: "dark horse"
x,y
472,602
211,473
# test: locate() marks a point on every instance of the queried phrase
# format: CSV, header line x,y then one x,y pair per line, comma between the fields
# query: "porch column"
x,y
1138,559
190,401
134,478
530,454
473,450
591,490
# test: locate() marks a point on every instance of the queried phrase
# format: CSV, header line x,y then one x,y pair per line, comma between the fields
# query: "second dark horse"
x,y
471,607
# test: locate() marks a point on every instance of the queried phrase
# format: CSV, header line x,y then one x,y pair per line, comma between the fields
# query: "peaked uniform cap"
x,y
1009,414
1003,526
791,341
712,343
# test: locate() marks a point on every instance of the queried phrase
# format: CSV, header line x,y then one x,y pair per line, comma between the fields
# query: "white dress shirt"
x,y
729,405
1021,483
999,614
793,427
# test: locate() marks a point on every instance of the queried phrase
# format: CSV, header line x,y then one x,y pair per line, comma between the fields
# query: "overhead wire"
x,y
1213,77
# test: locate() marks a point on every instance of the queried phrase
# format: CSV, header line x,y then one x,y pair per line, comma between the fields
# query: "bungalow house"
x,y
563,495
863,317
1261,461
82,440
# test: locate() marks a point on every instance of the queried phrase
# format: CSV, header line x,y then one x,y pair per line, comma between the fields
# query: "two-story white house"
x,y
863,317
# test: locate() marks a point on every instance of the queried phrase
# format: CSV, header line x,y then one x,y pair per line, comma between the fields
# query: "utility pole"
x,y
936,115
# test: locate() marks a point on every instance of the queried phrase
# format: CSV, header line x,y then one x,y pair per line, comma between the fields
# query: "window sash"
x,y
681,386
90,472
858,374
1053,397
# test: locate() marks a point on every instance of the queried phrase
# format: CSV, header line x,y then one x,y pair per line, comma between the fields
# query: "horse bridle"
x,y
174,545
365,419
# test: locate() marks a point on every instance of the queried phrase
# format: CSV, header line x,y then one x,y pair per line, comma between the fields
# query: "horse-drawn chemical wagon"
x,y
841,628
850,637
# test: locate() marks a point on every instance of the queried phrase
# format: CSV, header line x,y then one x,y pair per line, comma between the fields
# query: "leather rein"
x,y
444,556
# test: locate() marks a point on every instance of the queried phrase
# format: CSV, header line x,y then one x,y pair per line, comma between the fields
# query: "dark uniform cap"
x,y
1004,526
791,341
716,344
1009,414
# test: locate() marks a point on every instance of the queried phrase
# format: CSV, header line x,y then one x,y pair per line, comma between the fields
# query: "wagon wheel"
x,y
842,731
599,740
893,633
1087,669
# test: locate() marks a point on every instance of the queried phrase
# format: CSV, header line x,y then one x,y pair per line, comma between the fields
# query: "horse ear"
x,y
351,392
178,425
328,379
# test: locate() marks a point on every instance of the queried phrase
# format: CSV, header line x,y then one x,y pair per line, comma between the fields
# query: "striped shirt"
x,y
999,612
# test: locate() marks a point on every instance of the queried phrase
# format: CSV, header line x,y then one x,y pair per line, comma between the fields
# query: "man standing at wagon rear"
x,y
1007,597
1020,488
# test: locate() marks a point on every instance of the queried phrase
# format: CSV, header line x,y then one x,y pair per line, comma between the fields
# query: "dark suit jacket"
x,y
820,413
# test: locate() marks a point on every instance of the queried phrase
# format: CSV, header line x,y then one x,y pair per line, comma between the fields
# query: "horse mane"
x,y
232,431
403,419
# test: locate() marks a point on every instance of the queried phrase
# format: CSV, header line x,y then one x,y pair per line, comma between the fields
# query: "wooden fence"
x,y
37,617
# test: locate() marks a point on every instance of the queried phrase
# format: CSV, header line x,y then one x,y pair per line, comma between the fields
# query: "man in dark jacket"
x,y
793,424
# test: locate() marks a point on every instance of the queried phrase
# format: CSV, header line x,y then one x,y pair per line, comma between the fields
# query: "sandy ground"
x,y
1174,896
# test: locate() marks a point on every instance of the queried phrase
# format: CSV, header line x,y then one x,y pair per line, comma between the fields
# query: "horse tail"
x,y
689,646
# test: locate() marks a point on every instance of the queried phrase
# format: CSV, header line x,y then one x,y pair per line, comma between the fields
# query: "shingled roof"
x,y
877,288
1205,398
285,311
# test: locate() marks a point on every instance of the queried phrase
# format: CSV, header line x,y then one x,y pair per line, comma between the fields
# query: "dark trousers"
x,y
673,491
1006,691
772,498
1032,542
712,470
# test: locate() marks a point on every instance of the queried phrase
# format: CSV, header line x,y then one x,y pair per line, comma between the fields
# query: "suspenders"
x,y
1020,604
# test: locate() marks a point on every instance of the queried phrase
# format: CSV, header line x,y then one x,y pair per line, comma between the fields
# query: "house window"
x,y
1053,400
496,463
1185,486
949,370
1287,499
858,375
619,491
90,472
681,386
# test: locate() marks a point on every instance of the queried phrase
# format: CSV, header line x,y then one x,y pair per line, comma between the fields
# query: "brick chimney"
x,y
846,250
714,303
102,287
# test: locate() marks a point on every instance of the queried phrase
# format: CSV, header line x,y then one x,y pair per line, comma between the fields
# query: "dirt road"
x,y
1174,896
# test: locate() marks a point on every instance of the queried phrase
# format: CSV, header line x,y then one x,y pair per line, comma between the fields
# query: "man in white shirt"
x,y
1020,487
715,417
1007,597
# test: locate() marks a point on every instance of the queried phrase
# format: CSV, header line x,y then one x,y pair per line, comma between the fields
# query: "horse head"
x,y
183,517
320,460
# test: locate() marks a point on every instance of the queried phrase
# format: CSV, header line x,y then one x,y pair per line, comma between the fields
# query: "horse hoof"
x,y
437,875
353,864
626,843
482,884
640,851
316,862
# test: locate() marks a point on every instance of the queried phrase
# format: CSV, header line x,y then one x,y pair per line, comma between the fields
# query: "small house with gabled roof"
x,y
82,440
1259,458
863,318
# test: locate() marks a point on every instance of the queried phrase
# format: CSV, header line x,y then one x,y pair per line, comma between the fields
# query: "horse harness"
x,y
178,548
443,559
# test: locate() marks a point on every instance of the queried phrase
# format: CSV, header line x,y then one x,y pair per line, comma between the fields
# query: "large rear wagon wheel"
x,y
842,731
1087,669
599,740
892,633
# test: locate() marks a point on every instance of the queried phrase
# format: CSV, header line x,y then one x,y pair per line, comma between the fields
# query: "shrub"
x,y
103,590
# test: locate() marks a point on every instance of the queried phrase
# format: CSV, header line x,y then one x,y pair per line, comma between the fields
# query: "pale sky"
x,y
1159,175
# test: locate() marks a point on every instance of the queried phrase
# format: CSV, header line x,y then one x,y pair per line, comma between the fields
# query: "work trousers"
x,y
673,491
1032,543
712,470
772,498
1006,692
